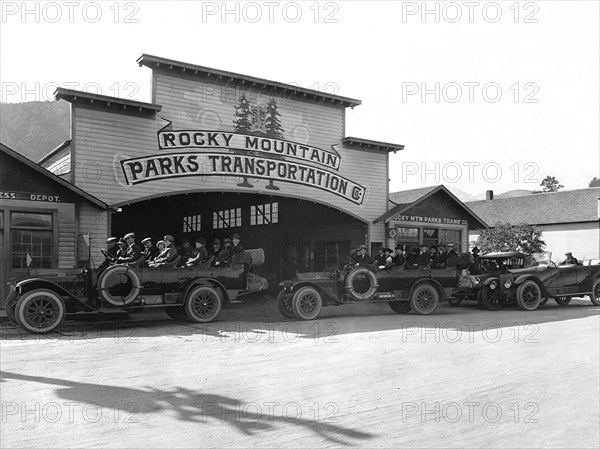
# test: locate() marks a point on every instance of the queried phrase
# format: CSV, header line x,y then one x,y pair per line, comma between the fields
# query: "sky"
x,y
484,95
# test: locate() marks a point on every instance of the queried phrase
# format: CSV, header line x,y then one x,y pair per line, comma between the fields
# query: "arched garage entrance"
x,y
295,234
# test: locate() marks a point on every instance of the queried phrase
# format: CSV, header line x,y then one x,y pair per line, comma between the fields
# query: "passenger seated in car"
x,y
236,247
199,253
424,258
570,260
362,259
223,259
380,257
452,258
400,257
412,259
168,256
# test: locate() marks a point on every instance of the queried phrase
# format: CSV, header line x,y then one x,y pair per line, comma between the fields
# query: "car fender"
x,y
431,281
27,285
206,282
527,277
487,282
327,296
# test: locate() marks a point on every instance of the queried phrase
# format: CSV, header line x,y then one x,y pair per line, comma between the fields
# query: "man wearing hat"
x,y
168,256
400,256
223,259
112,249
380,257
452,257
362,259
424,257
237,247
150,251
570,260
133,252
199,253
474,267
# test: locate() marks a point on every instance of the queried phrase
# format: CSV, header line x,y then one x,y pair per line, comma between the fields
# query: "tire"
x,y
529,295
400,307
489,300
453,302
424,299
307,303
284,305
119,270
562,300
544,301
40,311
595,295
373,284
203,304
177,313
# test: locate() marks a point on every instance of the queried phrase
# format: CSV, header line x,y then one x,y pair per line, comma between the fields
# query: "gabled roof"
x,y
58,149
408,199
118,104
568,206
216,74
28,162
372,144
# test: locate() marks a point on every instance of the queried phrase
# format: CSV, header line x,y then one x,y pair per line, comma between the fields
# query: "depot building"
x,y
216,153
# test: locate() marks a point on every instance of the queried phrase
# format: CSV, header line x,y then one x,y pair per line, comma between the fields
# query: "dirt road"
x,y
359,376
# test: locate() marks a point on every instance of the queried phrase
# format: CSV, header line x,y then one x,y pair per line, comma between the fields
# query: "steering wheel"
x,y
108,255
350,260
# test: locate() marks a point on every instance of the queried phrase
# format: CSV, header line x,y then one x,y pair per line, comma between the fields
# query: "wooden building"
x,y
217,153
43,219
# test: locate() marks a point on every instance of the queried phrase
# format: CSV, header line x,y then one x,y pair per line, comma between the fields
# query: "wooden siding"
x,y
94,222
102,139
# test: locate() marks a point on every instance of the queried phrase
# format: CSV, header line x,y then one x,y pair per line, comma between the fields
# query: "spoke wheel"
x,y
490,299
203,304
307,303
284,305
562,300
40,311
529,295
595,296
424,299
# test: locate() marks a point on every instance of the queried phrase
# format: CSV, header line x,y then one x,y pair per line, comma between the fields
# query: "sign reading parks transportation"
x,y
438,220
236,154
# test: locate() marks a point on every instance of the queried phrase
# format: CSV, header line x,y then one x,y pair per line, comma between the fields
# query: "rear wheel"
x,y
40,311
203,304
562,300
307,303
424,299
284,304
490,299
529,295
595,295
400,306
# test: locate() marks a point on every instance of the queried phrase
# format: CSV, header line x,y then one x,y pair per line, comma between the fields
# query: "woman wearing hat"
x,y
223,259
167,256
237,247
199,253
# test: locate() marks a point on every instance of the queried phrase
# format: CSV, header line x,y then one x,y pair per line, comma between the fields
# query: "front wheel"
x,y
562,300
307,303
424,299
284,305
203,304
595,295
40,311
490,299
400,306
529,295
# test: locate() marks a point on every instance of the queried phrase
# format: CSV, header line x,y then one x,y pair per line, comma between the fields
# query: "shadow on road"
x,y
249,418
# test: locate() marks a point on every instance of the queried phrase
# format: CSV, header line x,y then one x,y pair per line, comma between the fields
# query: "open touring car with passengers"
x,y
40,302
419,290
514,278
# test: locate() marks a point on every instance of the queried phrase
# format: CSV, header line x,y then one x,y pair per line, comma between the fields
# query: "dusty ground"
x,y
359,376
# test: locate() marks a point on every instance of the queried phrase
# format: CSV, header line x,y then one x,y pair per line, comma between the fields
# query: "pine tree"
x,y
241,123
273,124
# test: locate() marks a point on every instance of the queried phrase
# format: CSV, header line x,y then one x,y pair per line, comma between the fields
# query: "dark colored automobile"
x,y
531,286
40,302
404,290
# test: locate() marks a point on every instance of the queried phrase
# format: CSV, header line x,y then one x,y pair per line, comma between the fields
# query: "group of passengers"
x,y
423,257
166,255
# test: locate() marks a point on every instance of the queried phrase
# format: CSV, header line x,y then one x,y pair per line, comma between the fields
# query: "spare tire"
x,y
351,288
119,285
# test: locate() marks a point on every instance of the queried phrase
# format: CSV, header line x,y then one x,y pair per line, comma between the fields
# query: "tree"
x,y
242,123
506,237
549,184
273,124
595,182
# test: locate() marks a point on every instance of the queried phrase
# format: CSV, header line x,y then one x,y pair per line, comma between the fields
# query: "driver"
x,y
570,260
111,250
362,259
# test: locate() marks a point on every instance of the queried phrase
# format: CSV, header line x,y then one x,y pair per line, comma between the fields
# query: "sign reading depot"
x,y
241,154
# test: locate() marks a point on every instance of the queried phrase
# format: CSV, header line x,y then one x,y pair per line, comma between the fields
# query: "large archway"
x,y
295,234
